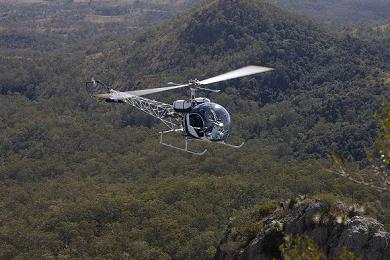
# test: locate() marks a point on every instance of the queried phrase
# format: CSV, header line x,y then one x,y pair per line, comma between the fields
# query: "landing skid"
x,y
223,143
185,149
186,141
232,145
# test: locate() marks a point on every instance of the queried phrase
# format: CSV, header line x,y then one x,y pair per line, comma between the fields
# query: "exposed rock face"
x,y
329,228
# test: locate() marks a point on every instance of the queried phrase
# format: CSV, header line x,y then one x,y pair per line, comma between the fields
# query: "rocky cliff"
x,y
335,228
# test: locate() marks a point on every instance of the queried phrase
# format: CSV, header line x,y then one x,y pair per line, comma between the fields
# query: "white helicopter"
x,y
196,118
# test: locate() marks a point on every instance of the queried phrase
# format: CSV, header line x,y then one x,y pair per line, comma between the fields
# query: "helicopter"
x,y
196,118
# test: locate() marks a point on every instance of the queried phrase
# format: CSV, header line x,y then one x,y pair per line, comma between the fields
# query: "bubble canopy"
x,y
216,123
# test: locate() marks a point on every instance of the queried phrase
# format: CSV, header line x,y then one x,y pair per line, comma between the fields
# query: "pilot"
x,y
217,131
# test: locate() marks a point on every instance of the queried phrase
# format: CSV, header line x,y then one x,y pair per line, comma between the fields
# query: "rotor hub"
x,y
194,82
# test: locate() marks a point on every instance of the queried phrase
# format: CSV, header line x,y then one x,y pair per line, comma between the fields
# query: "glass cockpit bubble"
x,y
216,121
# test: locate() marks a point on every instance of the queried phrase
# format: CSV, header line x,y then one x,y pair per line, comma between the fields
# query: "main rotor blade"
x,y
154,90
245,71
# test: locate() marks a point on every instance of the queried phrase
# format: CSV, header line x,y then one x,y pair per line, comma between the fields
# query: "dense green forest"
x,y
80,179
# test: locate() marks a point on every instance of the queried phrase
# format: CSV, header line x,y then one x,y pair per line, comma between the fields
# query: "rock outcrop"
x,y
332,228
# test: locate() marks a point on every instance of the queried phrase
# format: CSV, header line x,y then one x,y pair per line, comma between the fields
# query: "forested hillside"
x,y
84,179
340,12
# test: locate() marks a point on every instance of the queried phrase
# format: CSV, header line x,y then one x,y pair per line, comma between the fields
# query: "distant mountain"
x,y
25,22
340,12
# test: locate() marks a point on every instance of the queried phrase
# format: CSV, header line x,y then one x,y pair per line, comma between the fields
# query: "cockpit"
x,y
209,120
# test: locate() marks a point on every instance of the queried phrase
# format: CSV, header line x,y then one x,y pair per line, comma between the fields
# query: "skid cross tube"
x,y
185,149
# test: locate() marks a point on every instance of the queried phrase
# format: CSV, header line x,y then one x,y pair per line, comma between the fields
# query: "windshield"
x,y
216,121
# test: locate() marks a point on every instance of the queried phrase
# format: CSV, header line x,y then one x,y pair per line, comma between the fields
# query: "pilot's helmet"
x,y
216,121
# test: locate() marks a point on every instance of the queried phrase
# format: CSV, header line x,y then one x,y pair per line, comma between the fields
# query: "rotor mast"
x,y
194,86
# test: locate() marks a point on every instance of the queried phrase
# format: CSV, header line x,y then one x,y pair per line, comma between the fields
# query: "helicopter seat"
x,y
182,106
194,125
